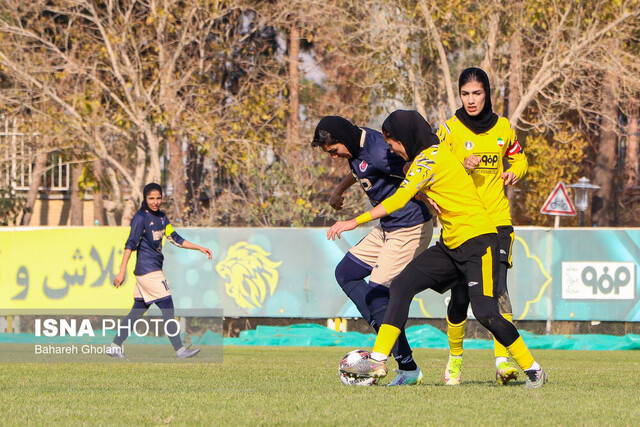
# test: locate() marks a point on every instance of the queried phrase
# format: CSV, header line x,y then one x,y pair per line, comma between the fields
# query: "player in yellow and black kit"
x,y
466,256
480,140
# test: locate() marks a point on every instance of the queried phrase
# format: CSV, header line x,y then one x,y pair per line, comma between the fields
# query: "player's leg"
x,y
456,321
355,266
505,370
478,259
432,269
172,328
126,325
398,249
350,274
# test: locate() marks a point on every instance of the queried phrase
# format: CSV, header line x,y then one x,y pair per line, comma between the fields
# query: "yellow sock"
x,y
498,349
387,336
521,353
455,333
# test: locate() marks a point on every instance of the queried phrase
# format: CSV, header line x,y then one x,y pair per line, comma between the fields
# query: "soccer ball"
x,y
350,359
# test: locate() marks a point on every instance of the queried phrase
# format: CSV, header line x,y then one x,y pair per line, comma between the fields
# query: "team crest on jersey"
x,y
468,145
500,142
363,166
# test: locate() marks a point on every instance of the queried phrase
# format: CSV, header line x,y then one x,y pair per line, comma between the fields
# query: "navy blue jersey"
x,y
379,172
147,230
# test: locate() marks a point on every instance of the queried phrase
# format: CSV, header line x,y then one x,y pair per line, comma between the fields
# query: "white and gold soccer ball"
x,y
352,358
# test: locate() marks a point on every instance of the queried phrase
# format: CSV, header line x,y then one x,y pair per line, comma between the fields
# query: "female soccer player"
x,y
480,140
148,226
387,249
467,250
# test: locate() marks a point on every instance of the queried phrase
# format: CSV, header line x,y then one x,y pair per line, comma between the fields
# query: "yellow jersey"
x,y
438,174
491,147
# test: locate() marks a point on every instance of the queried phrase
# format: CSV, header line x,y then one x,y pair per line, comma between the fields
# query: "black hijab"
x,y
341,130
487,118
152,186
411,129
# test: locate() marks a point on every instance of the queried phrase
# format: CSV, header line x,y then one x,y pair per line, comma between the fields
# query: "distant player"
x,y
387,249
467,249
148,227
481,140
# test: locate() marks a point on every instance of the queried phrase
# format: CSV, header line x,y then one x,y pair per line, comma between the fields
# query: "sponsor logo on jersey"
x,y
500,142
468,145
472,284
363,166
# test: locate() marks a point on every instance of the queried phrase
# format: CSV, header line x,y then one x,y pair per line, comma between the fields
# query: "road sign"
x,y
558,202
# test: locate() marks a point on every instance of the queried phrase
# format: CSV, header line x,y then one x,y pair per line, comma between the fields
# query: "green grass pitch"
x,y
300,386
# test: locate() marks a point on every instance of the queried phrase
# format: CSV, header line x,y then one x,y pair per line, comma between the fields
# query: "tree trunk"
x,y
631,155
293,123
98,194
177,176
76,199
36,180
443,62
513,99
604,172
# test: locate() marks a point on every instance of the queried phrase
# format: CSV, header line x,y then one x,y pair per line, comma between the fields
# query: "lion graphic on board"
x,y
249,274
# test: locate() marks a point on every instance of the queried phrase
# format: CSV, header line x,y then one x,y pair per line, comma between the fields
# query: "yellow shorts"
x,y
388,252
151,287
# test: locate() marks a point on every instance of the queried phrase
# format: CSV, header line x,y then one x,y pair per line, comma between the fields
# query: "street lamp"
x,y
582,188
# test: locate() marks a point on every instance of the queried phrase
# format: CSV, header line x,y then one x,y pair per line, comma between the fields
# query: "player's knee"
x,y
347,271
486,314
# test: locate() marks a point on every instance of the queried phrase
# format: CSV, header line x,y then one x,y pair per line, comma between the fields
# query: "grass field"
x,y
300,386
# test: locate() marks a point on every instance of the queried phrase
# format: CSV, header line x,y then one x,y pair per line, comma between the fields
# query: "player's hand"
x,y
509,178
406,167
207,252
336,201
471,162
117,281
340,227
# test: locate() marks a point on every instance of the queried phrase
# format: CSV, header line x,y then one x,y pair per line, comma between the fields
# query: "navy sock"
x,y
168,313
350,276
137,311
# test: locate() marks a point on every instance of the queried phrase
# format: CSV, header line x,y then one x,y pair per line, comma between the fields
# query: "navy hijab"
x,y
411,129
341,130
147,189
487,119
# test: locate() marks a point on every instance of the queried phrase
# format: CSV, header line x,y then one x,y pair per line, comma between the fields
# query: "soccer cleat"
x,y
452,373
506,372
114,350
406,378
535,378
186,352
366,368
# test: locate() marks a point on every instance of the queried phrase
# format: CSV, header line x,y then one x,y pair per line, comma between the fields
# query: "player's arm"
x,y
336,200
135,235
517,160
117,281
188,245
397,201
173,236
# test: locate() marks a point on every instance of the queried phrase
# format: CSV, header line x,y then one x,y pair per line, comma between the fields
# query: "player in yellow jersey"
x,y
480,140
467,254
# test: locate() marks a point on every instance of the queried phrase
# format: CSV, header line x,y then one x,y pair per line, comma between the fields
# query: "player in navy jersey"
x,y
385,251
148,227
